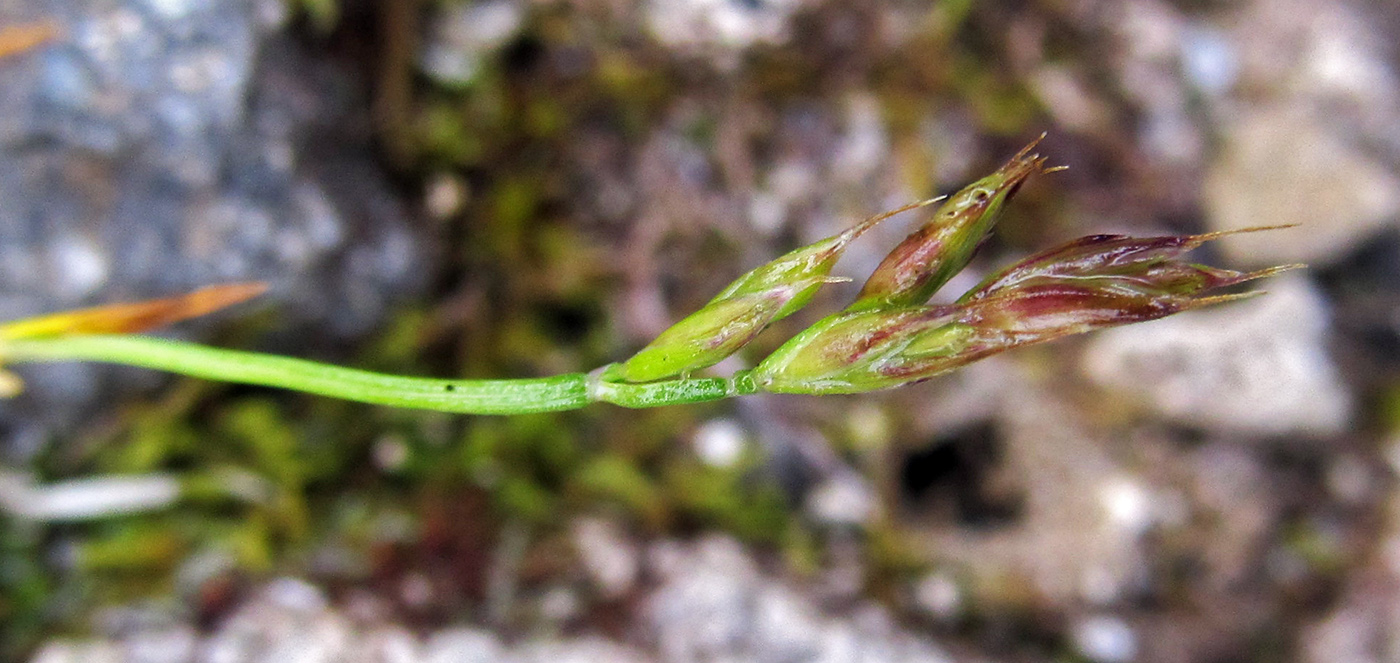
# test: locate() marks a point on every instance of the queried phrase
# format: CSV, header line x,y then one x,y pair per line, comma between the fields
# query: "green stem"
x,y
521,396
673,392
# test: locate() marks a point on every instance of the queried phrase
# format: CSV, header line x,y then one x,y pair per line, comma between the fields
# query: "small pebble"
x,y
719,442
1105,639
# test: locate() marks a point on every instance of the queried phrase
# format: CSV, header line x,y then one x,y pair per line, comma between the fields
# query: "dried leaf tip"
x,y
133,317
20,38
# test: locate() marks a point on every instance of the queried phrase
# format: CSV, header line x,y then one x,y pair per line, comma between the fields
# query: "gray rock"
x,y
463,34
295,595
843,499
703,610
713,605
1080,515
387,644
576,650
939,595
1256,368
784,627
63,651
167,645
1282,165
1363,626
1210,59
289,620
1156,38
610,558
719,26
162,145
1314,140
720,442
462,645
1105,639
1229,488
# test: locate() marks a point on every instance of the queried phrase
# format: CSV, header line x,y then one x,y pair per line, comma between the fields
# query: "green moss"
x,y
149,545
726,499
520,497
26,587
1002,104
613,478
323,15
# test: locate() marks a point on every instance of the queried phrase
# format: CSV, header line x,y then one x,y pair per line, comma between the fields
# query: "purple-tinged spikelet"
x,y
1091,283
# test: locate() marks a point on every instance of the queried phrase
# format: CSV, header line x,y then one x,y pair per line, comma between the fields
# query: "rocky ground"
x,y
502,188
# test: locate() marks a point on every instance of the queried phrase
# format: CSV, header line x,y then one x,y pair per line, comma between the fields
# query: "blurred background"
x,y
509,188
